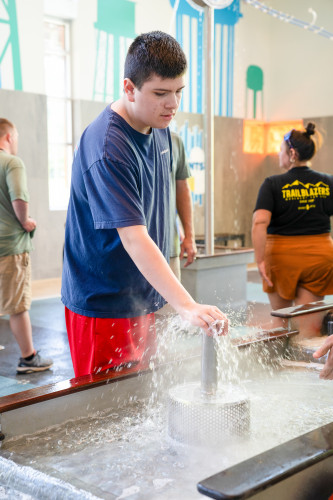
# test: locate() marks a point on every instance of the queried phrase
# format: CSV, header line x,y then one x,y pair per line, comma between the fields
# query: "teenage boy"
x,y
117,240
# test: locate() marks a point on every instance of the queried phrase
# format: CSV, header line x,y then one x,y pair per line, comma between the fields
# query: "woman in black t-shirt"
x,y
291,231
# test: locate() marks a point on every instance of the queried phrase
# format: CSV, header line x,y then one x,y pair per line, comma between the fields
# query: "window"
x,y
59,111
265,137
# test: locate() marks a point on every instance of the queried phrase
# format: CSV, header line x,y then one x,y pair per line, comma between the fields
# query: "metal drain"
x,y
202,414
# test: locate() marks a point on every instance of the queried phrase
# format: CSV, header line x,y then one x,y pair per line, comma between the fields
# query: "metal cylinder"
x,y
204,415
209,128
198,420
208,365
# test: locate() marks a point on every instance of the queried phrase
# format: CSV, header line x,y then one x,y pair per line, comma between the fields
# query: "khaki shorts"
x,y
15,284
299,261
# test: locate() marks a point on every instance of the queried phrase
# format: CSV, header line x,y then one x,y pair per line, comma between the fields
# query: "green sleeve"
x,y
180,161
16,179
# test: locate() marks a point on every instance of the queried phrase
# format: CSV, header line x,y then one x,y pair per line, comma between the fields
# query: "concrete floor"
x,y
50,337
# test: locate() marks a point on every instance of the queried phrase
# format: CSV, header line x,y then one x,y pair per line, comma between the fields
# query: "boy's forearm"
x,y
152,264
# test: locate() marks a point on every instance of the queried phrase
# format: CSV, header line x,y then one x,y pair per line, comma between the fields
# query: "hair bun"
x,y
310,129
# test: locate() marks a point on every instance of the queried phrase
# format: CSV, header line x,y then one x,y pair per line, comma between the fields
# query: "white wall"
x,y
298,74
30,17
252,47
300,80
157,18
84,50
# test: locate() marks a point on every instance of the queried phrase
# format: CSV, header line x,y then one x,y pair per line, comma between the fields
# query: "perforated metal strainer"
x,y
203,415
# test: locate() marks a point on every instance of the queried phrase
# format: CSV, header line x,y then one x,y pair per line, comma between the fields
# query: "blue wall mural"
x,y
189,33
115,29
192,138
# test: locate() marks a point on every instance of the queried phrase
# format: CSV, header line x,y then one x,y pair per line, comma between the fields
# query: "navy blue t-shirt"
x,y
301,202
120,178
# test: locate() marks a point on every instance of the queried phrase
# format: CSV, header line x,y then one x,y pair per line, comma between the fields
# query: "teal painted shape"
x,y
13,41
255,82
117,19
11,386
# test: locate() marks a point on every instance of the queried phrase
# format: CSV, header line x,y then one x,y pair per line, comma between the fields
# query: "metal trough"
x,y
106,436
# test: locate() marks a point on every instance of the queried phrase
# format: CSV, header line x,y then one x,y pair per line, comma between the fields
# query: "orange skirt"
x,y
299,261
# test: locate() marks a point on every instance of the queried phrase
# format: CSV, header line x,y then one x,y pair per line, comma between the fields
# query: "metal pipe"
x,y
209,128
208,366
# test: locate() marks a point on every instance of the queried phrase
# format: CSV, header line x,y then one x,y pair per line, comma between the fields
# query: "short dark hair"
x,y
154,53
5,126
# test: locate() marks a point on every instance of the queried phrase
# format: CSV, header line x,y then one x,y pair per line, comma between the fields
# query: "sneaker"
x,y
36,364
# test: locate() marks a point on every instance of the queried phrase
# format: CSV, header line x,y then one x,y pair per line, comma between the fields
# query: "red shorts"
x,y
98,344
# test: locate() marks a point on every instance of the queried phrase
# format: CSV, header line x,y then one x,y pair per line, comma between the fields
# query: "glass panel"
x,y
60,159
276,131
55,75
253,137
59,112
265,138
59,121
69,129
54,37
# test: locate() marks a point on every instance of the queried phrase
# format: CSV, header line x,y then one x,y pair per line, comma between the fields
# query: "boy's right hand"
x,y
210,318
